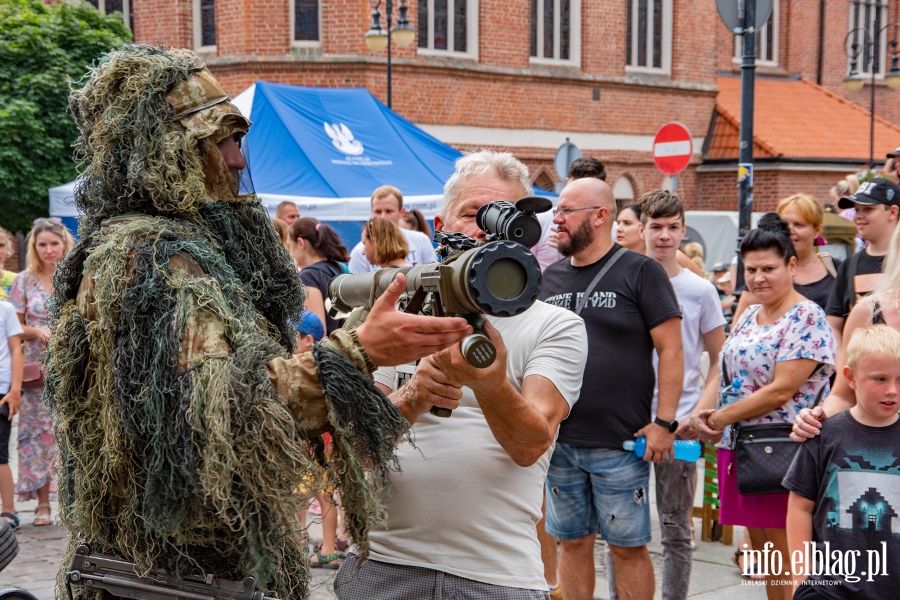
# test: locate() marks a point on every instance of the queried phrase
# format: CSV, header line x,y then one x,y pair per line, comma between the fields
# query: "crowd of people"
x,y
613,351
660,313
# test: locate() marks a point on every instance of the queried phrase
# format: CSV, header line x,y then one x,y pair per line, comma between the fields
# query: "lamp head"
x,y
892,77
403,35
854,82
376,40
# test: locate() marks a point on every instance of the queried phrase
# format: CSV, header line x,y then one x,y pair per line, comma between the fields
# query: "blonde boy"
x,y
845,484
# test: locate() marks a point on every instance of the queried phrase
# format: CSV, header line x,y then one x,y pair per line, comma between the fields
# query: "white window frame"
x,y
471,38
305,43
763,38
198,34
882,42
666,68
574,35
126,4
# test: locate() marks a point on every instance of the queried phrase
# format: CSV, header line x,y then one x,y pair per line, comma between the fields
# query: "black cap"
x,y
894,154
874,191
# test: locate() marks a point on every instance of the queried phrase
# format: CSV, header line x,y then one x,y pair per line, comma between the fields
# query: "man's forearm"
x,y
671,382
518,426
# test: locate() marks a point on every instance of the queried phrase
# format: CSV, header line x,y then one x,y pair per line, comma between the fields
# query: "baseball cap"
x,y
720,266
894,154
310,324
874,191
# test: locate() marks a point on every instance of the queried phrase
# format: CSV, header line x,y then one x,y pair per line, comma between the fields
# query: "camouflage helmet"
x,y
201,106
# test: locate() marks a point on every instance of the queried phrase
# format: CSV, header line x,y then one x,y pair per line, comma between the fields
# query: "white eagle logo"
x,y
342,138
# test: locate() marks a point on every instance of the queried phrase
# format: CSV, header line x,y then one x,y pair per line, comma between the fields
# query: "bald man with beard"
x,y
593,485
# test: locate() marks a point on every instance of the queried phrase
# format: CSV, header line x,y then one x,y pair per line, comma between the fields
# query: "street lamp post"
x,y
870,49
377,38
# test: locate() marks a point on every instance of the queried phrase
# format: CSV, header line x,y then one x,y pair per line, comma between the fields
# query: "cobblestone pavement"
x,y
41,549
713,577
41,552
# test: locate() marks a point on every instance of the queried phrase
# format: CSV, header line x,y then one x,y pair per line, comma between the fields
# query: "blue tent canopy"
x,y
329,144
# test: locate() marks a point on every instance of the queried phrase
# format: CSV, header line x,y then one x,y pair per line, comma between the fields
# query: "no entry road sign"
x,y
672,148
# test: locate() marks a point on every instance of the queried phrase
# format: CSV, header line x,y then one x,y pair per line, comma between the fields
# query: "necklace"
x,y
812,262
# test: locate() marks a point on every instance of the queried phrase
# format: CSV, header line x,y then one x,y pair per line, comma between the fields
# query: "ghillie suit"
x,y
187,431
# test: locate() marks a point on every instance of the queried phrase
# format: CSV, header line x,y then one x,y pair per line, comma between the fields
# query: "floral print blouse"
x,y
753,350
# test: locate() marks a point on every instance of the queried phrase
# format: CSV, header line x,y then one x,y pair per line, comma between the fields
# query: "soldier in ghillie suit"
x,y
187,432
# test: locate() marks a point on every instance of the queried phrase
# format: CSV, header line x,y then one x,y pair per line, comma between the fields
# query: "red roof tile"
x,y
797,119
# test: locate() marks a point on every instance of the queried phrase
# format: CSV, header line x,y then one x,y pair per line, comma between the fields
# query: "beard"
x,y
579,239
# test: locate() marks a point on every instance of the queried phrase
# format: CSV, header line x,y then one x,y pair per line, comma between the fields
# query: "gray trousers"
x,y
675,505
384,581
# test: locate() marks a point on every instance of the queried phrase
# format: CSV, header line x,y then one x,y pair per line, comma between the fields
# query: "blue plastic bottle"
x,y
688,450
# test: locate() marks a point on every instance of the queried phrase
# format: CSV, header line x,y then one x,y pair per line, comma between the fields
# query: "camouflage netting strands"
x,y
187,431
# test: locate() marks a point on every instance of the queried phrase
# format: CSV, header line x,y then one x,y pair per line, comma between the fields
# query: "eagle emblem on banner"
x,y
342,138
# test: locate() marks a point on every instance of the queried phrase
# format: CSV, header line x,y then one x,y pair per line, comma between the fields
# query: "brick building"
x,y
524,75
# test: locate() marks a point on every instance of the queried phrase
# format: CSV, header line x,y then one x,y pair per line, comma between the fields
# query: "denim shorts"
x,y
598,490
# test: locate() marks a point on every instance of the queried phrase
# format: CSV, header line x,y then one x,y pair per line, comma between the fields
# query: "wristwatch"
x,y
670,426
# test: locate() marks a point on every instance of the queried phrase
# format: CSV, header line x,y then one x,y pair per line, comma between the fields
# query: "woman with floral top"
x,y
777,361
6,277
47,243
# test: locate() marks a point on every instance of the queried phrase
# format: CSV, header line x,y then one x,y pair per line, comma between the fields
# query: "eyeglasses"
x,y
565,212
51,220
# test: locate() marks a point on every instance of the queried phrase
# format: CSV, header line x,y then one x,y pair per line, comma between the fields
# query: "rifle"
x,y
120,578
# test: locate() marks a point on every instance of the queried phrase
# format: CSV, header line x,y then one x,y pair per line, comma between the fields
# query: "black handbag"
x,y
762,456
763,453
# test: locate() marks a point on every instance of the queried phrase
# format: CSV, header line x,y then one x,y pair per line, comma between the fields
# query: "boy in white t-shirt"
x,y
11,361
702,329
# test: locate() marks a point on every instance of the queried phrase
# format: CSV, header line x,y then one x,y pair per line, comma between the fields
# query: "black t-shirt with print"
x,y
617,391
852,472
842,298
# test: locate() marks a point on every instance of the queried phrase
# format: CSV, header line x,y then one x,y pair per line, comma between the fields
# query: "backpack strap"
x,y
829,264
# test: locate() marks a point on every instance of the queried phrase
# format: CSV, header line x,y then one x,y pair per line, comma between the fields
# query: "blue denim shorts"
x,y
598,490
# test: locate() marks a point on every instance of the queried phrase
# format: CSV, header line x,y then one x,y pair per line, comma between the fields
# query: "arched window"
x,y
448,27
110,6
648,36
205,25
556,31
623,192
305,23
766,41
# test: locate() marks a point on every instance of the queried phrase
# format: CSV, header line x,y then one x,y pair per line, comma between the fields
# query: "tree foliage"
x,y
44,51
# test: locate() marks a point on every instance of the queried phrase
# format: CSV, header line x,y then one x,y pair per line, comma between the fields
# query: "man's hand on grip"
x,y
391,337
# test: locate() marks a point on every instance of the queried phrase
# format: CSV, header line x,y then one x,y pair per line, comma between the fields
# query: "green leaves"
x,y
44,52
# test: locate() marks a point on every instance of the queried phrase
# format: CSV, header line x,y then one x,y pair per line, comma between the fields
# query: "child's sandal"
x,y
328,561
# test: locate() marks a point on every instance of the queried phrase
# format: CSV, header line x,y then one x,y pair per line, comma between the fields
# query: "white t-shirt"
x,y
701,312
9,326
421,252
461,505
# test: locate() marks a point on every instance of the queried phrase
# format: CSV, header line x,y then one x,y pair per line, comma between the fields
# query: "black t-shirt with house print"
x,y
852,472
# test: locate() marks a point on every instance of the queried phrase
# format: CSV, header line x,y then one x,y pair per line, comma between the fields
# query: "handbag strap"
x,y
590,288
733,333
